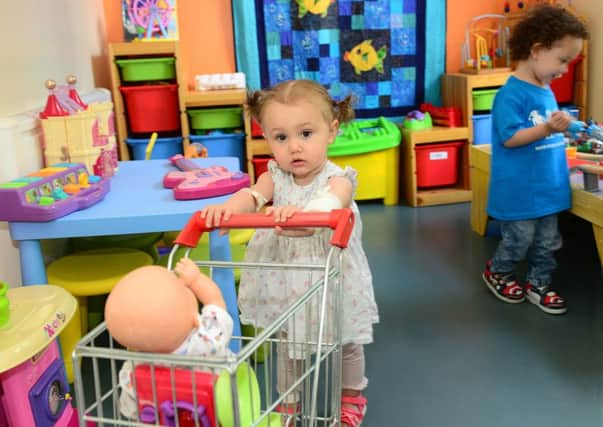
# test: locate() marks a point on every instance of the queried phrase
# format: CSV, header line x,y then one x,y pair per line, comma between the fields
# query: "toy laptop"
x,y
193,182
50,193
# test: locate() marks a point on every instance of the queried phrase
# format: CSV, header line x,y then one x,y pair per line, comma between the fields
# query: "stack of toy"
x,y
78,133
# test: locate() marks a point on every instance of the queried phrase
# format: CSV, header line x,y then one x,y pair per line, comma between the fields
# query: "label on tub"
x,y
438,155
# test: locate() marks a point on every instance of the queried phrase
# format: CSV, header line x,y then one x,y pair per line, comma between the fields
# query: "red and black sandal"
x,y
546,299
503,285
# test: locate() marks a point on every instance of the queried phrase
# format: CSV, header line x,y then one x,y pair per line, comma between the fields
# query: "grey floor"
x,y
448,353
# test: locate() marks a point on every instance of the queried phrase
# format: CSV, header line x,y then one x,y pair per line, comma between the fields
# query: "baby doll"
x,y
152,309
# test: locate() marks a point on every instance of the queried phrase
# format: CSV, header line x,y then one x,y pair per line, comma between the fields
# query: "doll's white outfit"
x,y
210,340
265,294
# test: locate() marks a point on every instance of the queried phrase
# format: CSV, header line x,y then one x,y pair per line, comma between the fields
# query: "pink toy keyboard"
x,y
193,182
50,193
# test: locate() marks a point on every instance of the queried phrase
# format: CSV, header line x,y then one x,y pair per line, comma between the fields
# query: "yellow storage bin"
x,y
378,174
372,148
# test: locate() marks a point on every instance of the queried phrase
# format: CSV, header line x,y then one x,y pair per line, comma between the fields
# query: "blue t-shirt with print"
x,y
530,181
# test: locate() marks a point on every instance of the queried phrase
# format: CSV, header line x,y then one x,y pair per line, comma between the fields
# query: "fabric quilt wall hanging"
x,y
373,49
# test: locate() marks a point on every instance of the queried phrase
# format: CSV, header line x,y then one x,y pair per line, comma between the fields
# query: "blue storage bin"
x,y
482,129
220,144
164,147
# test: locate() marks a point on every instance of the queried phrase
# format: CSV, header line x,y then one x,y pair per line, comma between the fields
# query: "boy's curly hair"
x,y
544,24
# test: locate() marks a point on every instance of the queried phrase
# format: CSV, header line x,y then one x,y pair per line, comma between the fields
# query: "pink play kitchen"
x,y
33,387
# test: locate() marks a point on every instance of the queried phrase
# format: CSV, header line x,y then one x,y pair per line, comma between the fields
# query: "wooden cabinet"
x,y
213,98
459,192
186,98
253,147
457,91
142,50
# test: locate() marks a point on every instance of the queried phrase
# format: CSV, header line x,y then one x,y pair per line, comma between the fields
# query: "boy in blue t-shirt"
x,y
529,181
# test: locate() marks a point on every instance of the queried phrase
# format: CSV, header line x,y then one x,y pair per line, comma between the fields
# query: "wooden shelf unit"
x,y
213,98
460,192
457,91
133,50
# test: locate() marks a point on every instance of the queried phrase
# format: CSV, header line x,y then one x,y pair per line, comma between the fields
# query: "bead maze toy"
x,y
50,193
193,182
33,386
488,35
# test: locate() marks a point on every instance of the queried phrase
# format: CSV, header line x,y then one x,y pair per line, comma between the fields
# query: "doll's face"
x,y
151,310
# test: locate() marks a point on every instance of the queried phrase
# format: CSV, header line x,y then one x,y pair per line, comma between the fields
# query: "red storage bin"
x,y
152,108
260,165
437,164
563,87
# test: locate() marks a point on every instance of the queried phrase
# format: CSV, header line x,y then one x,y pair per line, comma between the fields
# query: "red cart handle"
x,y
339,220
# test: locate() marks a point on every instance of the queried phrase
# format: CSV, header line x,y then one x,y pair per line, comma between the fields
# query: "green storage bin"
x,y
215,118
145,69
483,99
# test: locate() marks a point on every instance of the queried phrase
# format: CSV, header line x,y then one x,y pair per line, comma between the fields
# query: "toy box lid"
x,y
365,136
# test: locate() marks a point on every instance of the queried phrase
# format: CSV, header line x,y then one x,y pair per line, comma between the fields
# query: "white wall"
x,y
41,40
593,11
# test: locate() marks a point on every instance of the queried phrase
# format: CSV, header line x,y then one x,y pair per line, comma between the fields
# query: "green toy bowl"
x,y
248,393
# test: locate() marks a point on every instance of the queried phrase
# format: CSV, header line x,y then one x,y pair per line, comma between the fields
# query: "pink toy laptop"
x,y
184,409
193,182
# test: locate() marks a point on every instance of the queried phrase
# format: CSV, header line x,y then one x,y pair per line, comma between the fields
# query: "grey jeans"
x,y
535,239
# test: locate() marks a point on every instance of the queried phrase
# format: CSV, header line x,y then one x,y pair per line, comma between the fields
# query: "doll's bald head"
x,y
151,310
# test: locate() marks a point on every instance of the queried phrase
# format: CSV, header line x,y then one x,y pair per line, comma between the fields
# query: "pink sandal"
x,y
350,416
289,412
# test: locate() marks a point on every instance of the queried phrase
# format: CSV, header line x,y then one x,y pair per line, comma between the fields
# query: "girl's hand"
x,y
215,214
187,270
282,214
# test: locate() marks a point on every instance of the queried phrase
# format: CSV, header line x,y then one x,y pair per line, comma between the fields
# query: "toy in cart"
x,y
235,387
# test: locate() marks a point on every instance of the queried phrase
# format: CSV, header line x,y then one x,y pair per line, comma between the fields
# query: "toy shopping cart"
x,y
303,343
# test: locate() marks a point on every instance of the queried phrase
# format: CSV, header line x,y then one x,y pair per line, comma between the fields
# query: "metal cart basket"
x,y
241,389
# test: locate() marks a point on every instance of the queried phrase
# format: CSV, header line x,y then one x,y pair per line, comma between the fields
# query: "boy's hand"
x,y
282,214
559,121
187,270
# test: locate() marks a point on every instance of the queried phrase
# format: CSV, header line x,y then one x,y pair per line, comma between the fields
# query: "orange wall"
x,y
205,33
458,14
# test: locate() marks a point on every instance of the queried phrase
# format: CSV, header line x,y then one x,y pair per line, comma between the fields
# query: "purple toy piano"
x,y
193,182
50,193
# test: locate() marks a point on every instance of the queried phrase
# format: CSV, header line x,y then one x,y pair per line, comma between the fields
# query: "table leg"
x,y
479,189
219,250
33,271
598,232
